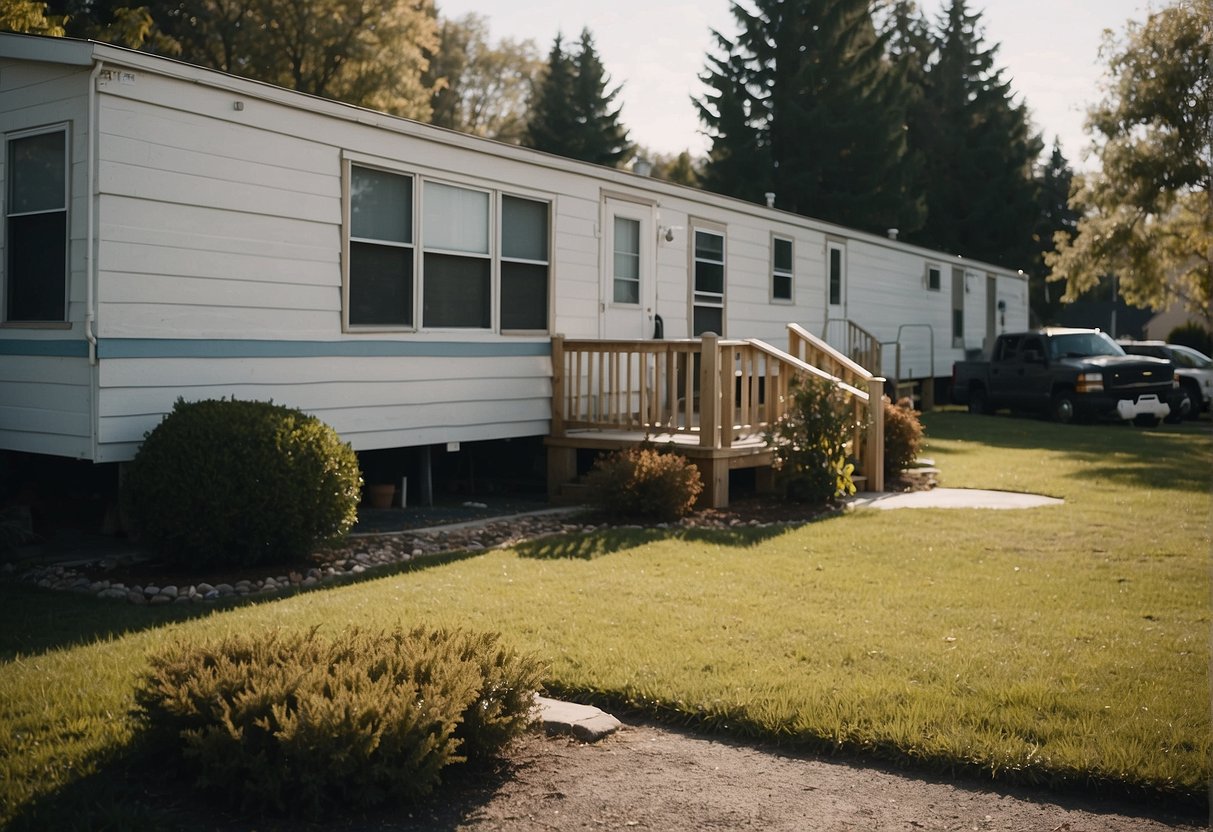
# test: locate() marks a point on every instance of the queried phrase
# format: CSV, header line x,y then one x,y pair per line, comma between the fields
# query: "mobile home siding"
x,y
220,232
46,386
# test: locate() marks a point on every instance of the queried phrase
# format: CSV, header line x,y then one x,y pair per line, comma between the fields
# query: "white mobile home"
x,y
174,231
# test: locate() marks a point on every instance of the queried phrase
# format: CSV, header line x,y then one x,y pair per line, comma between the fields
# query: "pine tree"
x,y
979,150
1054,215
571,112
804,104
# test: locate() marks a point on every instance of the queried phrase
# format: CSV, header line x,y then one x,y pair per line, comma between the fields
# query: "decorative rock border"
x,y
359,554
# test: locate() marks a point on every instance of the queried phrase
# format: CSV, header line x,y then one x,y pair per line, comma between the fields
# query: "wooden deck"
x,y
714,400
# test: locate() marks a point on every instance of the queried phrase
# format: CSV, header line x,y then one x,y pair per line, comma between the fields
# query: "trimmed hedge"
x,y
242,483
304,724
902,436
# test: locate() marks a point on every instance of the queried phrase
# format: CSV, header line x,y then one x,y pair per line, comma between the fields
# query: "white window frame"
x,y
489,256
789,273
712,300
494,256
547,264
937,268
638,215
63,128
348,239
831,247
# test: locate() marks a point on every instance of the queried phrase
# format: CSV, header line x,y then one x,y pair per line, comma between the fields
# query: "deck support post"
x,y
714,471
873,457
562,469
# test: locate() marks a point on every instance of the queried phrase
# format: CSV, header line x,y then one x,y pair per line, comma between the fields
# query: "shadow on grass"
x,y
1172,457
130,789
35,620
609,541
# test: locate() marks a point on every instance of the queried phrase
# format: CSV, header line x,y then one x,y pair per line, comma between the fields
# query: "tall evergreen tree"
x,y
804,104
1053,215
979,148
571,111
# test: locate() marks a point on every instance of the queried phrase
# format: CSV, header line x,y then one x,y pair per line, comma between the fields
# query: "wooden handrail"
x,y
718,390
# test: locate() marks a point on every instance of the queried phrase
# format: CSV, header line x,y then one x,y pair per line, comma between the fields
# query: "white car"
x,y
1193,369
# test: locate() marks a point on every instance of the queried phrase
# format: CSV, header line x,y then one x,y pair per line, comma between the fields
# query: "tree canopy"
x,y
366,52
478,87
802,103
979,148
1147,213
572,112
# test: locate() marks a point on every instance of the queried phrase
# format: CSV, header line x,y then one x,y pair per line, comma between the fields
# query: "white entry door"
x,y
629,288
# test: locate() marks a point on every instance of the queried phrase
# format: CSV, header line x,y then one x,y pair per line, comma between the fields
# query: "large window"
x,y
381,248
958,307
458,272
36,228
427,254
781,269
524,264
708,305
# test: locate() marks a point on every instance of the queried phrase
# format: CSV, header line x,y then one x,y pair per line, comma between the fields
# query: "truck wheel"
x,y
1064,409
1182,407
1197,402
979,402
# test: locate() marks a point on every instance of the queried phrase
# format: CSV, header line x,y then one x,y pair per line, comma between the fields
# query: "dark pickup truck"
x,y
1068,373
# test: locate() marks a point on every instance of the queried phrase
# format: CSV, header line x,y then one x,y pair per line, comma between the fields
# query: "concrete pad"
x,y
585,722
951,498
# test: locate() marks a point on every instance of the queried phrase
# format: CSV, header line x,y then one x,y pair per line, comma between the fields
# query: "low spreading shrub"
x,y
303,724
902,436
643,483
810,443
241,483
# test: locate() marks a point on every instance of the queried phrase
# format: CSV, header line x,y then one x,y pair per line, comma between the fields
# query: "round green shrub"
x,y
299,723
902,436
642,483
232,482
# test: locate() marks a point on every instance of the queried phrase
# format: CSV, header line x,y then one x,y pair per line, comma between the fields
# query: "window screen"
x,y
381,250
36,228
781,269
524,264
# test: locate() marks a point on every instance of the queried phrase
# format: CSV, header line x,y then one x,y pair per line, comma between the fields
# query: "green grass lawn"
x,y
1066,646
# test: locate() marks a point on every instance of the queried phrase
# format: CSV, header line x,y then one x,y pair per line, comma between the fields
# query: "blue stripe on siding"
x,y
54,347
233,348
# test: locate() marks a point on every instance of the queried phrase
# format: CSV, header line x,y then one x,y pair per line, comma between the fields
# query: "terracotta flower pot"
x,y
380,496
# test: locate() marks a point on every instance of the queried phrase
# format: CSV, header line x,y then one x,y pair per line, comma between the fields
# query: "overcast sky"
x,y
656,50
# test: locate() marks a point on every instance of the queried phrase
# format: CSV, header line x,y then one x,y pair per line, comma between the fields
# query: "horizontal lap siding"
x,y
45,399
372,402
220,231
44,404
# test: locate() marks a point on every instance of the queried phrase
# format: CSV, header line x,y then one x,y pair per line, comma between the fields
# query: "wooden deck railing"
x,y
857,344
719,390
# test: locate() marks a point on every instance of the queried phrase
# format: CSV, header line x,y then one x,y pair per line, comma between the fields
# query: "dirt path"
x,y
657,779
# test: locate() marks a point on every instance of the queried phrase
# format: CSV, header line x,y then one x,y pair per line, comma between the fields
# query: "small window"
x,y
381,248
781,269
627,260
456,269
36,228
707,314
524,264
934,278
837,274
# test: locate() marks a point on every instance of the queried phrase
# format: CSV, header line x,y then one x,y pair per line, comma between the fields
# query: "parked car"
x,y
1068,373
1193,368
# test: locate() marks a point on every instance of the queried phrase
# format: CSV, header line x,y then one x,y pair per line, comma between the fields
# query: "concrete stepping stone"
x,y
585,722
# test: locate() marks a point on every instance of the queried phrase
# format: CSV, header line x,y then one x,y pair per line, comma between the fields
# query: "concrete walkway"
x,y
951,498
